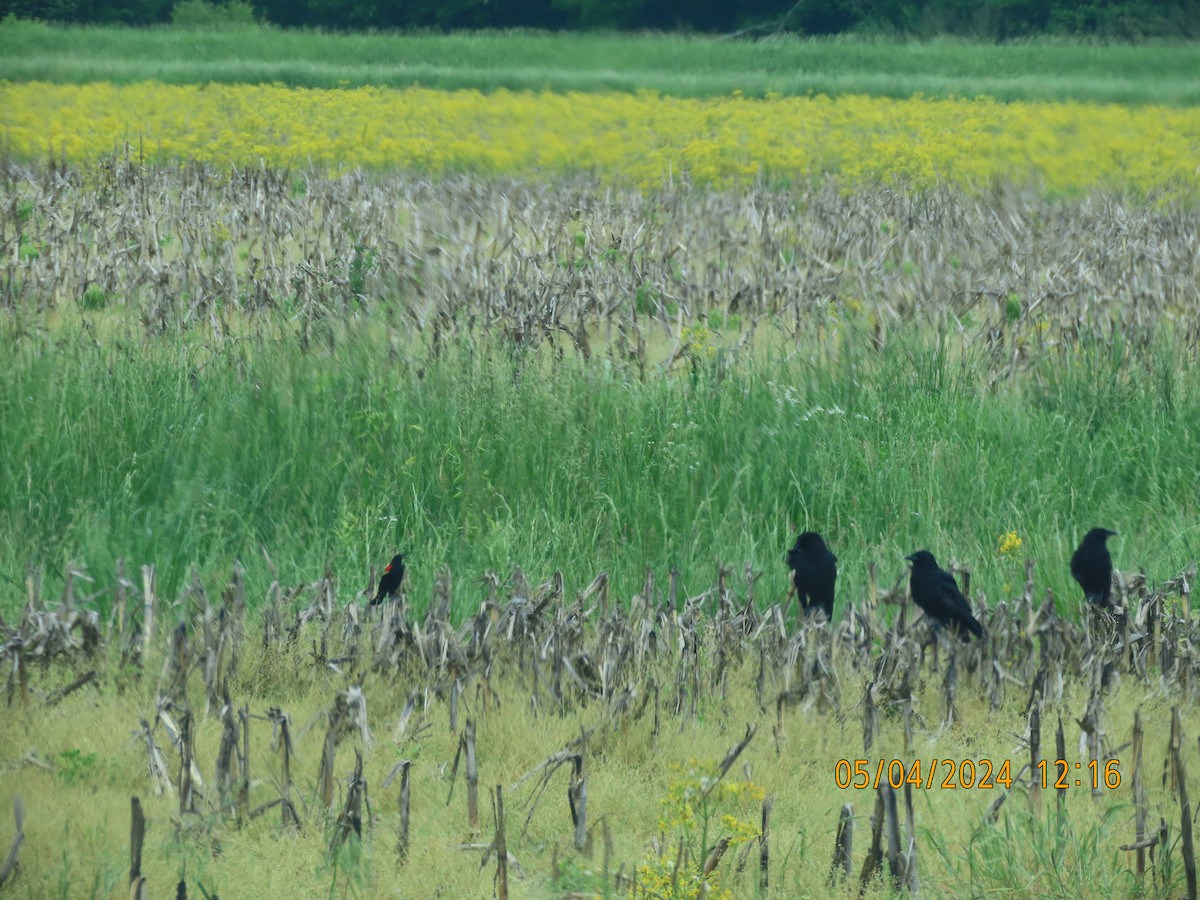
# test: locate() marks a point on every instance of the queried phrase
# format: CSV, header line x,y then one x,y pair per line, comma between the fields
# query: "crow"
x,y
389,582
814,570
936,592
1092,567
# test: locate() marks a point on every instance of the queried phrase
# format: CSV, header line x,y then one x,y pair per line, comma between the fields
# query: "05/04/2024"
x,y
984,774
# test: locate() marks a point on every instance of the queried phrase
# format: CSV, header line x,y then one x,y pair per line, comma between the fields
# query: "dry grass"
x,y
646,709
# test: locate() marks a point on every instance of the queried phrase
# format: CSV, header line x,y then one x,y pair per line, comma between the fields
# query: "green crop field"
x,y
1163,73
594,412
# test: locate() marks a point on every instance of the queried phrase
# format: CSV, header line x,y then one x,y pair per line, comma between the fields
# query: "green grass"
x,y
1166,73
170,451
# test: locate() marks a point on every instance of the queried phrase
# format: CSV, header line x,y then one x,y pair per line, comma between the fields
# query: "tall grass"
x,y
170,451
684,66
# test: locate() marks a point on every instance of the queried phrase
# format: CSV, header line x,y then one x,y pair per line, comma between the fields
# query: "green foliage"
x,y
1012,308
212,16
75,766
94,298
604,13
362,265
993,20
572,878
27,249
488,457
1121,19
125,12
689,66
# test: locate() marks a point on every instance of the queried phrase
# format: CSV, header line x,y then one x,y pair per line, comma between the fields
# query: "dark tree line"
x,y
987,19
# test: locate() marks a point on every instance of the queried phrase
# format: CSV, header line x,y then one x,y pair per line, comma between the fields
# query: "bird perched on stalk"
x,y
814,571
1092,567
389,581
935,591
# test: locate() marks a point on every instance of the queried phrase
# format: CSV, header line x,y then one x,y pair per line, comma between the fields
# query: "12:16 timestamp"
x,y
1060,774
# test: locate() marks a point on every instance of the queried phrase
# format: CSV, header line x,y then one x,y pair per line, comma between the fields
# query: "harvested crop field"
x,y
573,742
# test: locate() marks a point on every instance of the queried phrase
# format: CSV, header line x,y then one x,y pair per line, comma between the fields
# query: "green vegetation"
x,y
496,374
994,20
292,371
1167,73
171,451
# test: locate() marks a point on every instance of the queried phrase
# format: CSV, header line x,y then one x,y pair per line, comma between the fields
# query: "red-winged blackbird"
x,y
814,570
935,591
1092,567
389,582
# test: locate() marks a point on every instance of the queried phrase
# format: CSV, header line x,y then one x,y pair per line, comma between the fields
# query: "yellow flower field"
x,y
640,138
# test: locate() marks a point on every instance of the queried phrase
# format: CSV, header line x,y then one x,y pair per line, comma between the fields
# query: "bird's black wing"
x,y
938,594
802,578
1078,571
798,562
1091,566
823,586
958,610
950,593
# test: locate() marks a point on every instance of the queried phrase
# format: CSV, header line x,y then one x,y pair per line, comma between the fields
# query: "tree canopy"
x,y
983,19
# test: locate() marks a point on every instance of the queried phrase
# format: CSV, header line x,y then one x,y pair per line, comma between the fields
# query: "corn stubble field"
x,y
636,397
182,247
657,745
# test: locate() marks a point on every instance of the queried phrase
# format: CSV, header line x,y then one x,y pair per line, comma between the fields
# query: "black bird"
x,y
1092,567
935,591
814,570
389,582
